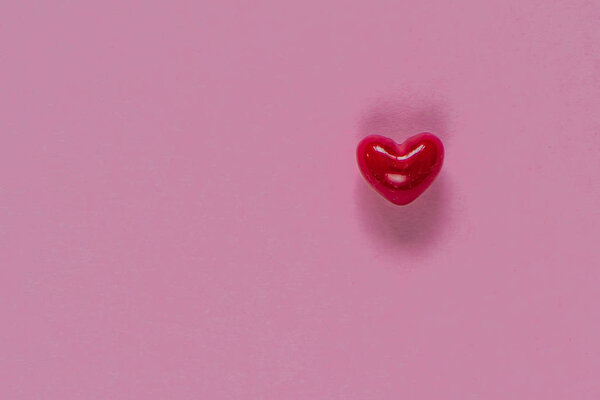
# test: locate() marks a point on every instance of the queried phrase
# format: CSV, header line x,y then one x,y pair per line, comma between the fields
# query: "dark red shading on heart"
x,y
400,172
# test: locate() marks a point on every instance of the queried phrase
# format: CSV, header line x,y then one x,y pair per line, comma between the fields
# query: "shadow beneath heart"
x,y
416,227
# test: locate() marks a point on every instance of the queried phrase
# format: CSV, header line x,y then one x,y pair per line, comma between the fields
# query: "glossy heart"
x,y
400,172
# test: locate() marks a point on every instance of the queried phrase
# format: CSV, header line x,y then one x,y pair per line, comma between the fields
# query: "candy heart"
x,y
400,172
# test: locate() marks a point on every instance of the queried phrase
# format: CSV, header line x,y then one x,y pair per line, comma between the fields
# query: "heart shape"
x,y
400,172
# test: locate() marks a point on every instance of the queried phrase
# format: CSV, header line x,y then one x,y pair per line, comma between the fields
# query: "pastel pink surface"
x,y
181,216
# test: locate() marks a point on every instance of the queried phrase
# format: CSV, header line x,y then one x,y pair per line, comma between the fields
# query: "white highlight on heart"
x,y
396,178
380,149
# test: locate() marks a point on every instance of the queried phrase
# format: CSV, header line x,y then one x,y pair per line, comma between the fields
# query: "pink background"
x,y
181,216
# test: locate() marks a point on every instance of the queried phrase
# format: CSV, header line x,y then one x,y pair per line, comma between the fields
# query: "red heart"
x,y
400,172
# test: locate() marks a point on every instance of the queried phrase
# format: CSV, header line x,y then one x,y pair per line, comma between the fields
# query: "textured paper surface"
x,y
181,216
